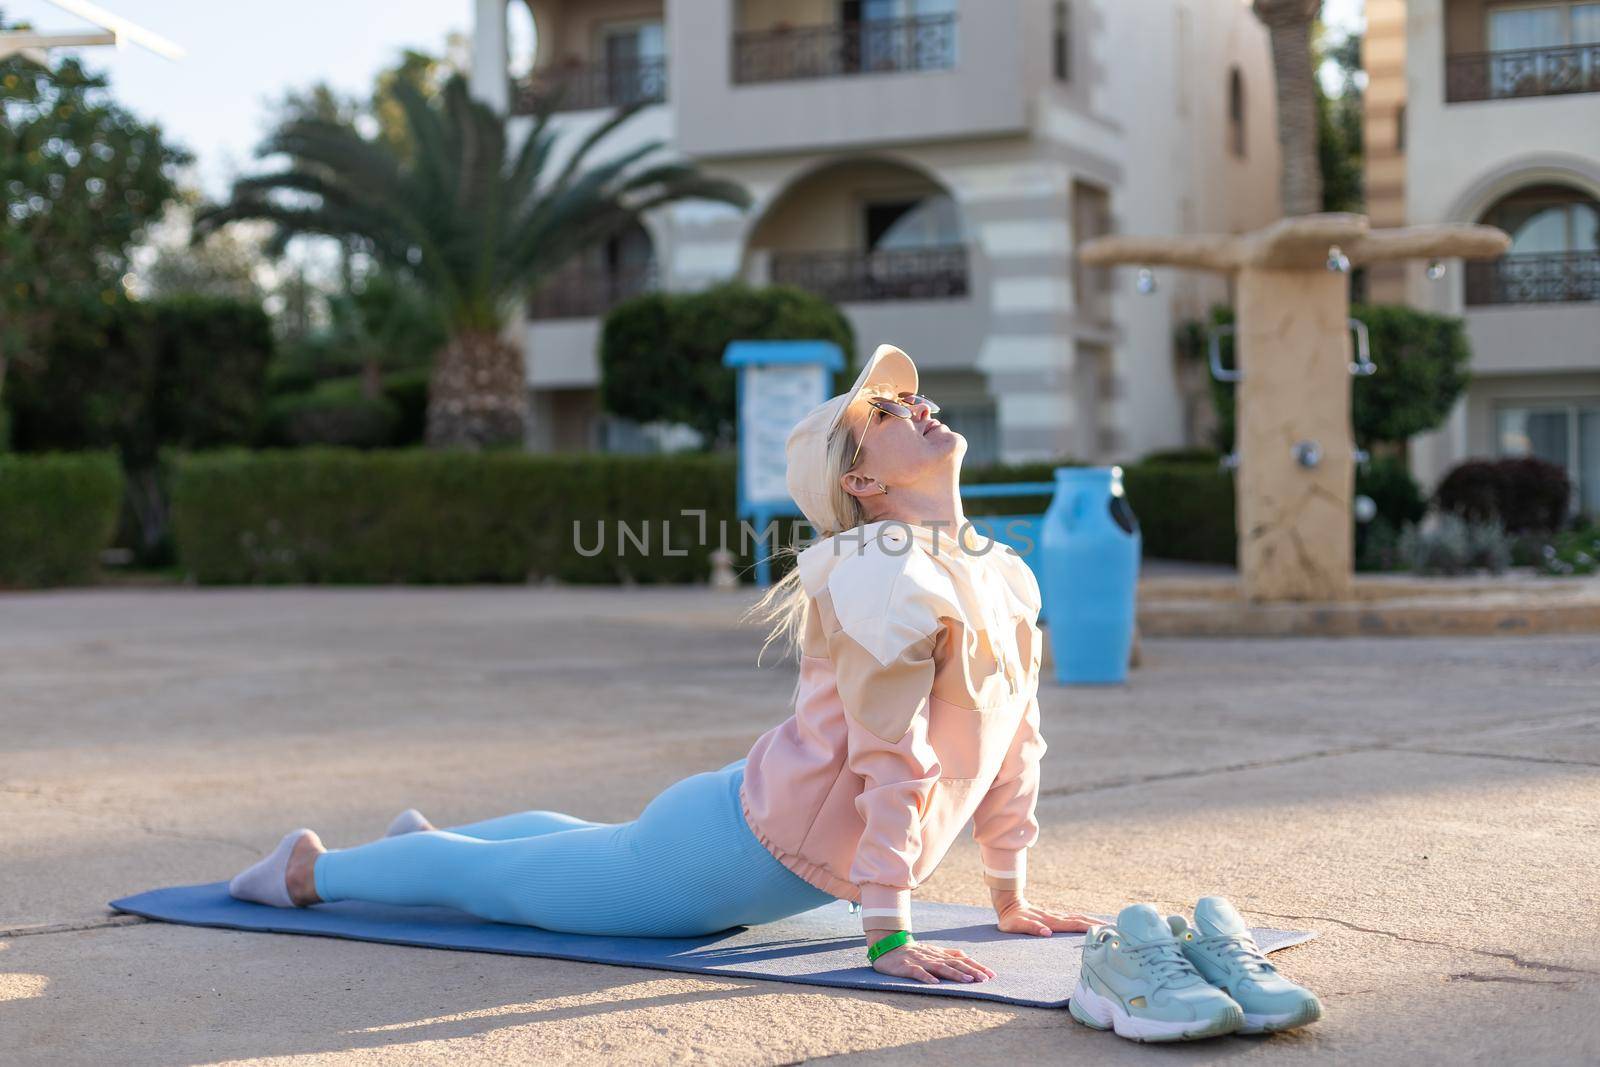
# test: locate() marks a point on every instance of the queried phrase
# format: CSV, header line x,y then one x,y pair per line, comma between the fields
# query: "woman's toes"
x,y
410,821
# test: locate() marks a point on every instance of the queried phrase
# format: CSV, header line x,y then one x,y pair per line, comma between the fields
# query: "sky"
x,y
215,101
241,57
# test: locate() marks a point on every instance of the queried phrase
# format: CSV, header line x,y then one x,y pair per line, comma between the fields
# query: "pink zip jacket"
x,y
916,710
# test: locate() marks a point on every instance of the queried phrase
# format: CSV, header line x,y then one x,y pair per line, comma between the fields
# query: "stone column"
x,y
1293,345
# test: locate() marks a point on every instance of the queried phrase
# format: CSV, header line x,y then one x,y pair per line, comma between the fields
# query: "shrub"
x,y
1038,471
661,353
1185,510
1197,454
336,413
57,512
1573,553
1378,547
1454,546
407,390
1422,362
325,515
1523,494
185,371
1388,482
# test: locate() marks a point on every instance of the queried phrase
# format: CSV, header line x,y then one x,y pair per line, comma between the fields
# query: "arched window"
x,y
1236,112
1555,249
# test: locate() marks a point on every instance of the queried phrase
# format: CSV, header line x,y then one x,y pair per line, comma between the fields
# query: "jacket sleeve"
x,y
1004,824
886,706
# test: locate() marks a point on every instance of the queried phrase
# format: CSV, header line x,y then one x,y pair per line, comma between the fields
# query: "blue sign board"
x,y
779,382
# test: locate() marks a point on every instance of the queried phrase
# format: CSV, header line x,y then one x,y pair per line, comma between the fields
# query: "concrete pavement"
x,y
1429,805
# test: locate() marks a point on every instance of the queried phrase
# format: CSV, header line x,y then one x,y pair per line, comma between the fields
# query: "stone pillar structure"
x,y
1296,452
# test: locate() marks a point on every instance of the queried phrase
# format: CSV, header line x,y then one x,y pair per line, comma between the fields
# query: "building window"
x,y
635,55
1534,49
923,222
1236,112
1566,434
1400,128
1061,41
1555,249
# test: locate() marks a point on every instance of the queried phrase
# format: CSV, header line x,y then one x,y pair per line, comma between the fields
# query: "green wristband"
x,y
889,944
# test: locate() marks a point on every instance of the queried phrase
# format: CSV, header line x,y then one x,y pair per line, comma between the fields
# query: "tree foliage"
x,y
661,353
1422,362
82,178
1340,152
474,222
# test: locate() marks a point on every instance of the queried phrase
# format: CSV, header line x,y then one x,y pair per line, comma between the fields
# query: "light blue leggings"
x,y
688,865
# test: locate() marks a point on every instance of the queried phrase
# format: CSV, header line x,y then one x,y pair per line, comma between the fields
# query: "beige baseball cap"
x,y
888,373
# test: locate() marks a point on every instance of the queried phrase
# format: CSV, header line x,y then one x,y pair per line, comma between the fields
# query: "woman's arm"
x,y
1004,824
886,719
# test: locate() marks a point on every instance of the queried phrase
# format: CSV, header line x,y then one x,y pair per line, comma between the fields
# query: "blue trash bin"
x,y
1089,549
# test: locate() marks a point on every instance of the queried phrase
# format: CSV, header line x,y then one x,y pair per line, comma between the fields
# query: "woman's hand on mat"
x,y
1017,916
929,963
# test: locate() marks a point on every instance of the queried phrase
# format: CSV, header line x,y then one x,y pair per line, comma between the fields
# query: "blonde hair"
x,y
784,607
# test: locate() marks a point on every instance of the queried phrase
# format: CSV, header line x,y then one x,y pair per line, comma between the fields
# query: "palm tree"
x,y
476,226
1290,22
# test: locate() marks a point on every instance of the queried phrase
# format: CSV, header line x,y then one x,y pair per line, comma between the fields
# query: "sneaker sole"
x,y
1102,1013
1307,1013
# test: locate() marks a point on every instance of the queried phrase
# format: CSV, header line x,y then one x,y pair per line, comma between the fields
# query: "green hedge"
x,y
328,515
1186,510
57,512
342,516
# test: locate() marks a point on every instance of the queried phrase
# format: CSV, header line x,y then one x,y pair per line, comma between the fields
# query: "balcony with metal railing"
x,y
577,85
591,291
932,273
1525,72
874,46
1534,278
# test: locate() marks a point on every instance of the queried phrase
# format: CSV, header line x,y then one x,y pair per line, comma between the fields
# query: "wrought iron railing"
x,y
581,294
1537,278
873,46
576,86
935,273
1523,72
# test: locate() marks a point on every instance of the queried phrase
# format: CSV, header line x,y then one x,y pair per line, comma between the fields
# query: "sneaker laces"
x,y
1165,962
1242,951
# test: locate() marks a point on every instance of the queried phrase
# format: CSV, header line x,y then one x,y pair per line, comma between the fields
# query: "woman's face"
x,y
902,452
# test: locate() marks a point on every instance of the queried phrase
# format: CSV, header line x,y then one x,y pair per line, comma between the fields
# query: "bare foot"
x,y
299,877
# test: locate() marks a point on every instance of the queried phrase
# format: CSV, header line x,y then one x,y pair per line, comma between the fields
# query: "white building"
x,y
1482,111
929,165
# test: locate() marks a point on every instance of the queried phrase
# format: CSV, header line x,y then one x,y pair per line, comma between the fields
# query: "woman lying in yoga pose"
x,y
915,712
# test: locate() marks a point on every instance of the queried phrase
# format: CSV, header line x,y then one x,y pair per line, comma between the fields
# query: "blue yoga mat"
x,y
818,947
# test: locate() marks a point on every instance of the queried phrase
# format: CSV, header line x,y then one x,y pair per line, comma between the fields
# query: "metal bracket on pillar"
x,y
1363,366
1214,353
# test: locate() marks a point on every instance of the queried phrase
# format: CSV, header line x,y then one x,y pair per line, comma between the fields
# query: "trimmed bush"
x,y
1039,471
1185,510
661,353
326,515
1455,546
1422,362
1524,494
1195,454
336,413
57,512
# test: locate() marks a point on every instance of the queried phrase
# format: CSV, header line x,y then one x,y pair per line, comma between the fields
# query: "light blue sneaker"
x,y
1221,948
1136,980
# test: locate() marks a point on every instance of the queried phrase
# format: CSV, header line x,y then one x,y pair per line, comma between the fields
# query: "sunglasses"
x,y
903,408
